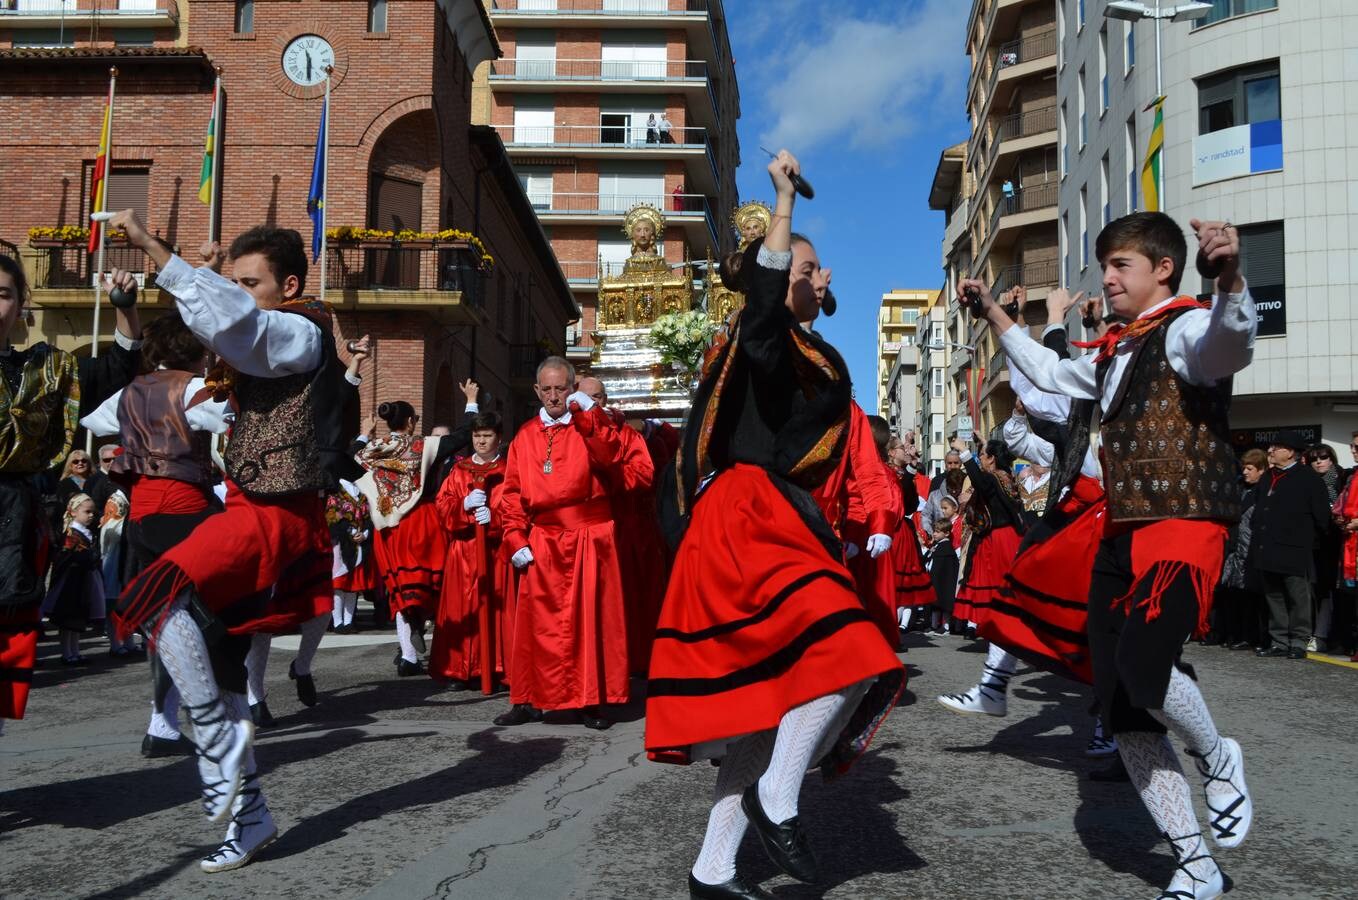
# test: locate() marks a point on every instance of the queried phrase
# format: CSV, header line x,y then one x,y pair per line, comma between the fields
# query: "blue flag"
x,y
315,201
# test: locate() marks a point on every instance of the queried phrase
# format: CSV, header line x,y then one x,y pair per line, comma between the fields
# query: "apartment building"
x,y
897,335
946,363
1258,124
604,104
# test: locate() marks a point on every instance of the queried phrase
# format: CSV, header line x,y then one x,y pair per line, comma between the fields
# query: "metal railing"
x,y
590,269
599,69
87,10
1030,275
70,266
1019,125
403,268
1023,50
1027,199
8,249
602,136
524,359
598,7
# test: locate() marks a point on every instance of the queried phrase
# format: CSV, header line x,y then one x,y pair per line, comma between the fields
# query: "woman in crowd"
x,y
1327,548
1239,608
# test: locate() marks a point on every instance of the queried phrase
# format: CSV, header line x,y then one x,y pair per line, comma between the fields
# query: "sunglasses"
x,y
80,462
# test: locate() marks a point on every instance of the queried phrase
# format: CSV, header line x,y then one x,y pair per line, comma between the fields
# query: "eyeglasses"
x,y
80,462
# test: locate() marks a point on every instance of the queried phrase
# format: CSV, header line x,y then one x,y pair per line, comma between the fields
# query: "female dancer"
x,y
764,652
409,546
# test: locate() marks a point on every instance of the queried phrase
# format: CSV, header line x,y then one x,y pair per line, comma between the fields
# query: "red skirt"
x,y
759,618
18,654
410,557
456,651
1042,617
263,565
990,560
913,585
357,580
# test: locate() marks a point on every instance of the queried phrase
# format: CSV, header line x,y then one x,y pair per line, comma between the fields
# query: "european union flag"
x,y
315,201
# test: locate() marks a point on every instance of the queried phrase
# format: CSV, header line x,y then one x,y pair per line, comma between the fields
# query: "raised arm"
x,y
1205,347
1024,442
765,322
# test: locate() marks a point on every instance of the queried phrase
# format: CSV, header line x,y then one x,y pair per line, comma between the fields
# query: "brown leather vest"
x,y
273,448
156,437
1166,443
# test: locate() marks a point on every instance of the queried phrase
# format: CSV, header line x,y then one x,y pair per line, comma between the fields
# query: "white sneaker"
x,y
1226,794
1313,645
251,830
980,700
221,764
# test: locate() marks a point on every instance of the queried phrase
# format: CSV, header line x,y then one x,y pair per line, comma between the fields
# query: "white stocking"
x,y
312,632
350,606
403,636
337,613
1000,666
256,664
183,652
726,824
799,734
1154,769
238,708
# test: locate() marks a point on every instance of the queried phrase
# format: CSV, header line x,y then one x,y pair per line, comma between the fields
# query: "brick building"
x,y
579,98
403,155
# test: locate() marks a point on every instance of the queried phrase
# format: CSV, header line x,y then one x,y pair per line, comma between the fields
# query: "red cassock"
x,y
456,651
641,549
570,627
860,499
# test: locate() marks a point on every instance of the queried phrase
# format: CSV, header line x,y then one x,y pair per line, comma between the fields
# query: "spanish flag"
x,y
209,170
98,178
1150,169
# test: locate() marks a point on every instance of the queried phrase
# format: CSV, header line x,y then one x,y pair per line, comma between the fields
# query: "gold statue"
x,y
643,225
752,221
648,286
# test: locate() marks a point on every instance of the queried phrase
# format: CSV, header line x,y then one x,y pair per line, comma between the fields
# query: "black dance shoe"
x,y
1296,653
590,718
407,669
727,890
785,843
153,747
519,714
260,715
306,685
1277,651
457,684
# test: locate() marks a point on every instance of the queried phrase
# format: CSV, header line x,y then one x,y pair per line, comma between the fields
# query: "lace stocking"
x,y
1155,772
408,652
312,632
744,761
256,664
1185,713
799,734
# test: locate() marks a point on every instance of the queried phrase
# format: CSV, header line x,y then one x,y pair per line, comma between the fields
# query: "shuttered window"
x,y
127,189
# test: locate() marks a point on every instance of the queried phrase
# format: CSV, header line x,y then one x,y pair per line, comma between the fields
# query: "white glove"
x,y
585,401
482,515
850,551
878,544
522,558
474,499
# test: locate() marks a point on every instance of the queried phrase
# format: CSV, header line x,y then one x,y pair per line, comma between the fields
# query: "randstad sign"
x,y
1242,150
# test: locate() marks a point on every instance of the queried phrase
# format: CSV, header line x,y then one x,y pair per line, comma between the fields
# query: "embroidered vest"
x,y
1166,443
156,437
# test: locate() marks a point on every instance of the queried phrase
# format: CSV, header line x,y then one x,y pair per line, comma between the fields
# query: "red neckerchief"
x,y
1278,475
1116,334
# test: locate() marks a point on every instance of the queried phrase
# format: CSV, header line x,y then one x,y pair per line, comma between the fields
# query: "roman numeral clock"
x,y
302,60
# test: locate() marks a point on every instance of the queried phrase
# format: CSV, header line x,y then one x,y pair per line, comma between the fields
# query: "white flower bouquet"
x,y
682,338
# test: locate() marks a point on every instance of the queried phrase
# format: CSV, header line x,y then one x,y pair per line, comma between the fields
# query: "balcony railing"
x,y
70,266
1039,196
35,13
605,137
1019,125
1029,275
683,206
1024,50
597,7
513,68
403,268
8,249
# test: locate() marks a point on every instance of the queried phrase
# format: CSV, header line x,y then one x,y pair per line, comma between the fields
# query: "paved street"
x,y
400,789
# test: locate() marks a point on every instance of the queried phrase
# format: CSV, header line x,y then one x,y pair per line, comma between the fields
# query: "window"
x,y
377,16
1080,109
1060,34
245,16
1261,249
1084,229
534,119
1103,191
1079,14
535,53
126,189
909,316
537,184
1103,71
1133,174
622,186
634,59
625,120
1061,138
1129,49
1239,97
936,428
1063,238
44,37
936,334
1225,9
134,37
936,391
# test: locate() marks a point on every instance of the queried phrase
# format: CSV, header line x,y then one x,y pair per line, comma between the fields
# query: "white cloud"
x,y
867,81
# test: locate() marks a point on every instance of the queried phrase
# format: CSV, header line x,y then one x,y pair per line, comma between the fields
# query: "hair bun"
x,y
386,410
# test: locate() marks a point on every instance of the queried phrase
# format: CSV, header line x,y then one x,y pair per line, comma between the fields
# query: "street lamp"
x,y
1133,11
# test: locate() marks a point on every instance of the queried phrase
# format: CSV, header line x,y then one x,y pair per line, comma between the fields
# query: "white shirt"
x,y
210,415
1025,443
1203,345
1040,404
665,123
265,343
548,421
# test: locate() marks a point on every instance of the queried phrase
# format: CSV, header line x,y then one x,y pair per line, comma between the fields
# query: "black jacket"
x,y
1291,513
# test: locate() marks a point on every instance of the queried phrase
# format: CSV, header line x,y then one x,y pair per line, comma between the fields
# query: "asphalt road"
x,y
400,789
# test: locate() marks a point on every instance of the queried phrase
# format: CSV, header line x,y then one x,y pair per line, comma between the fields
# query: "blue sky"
x,y
866,93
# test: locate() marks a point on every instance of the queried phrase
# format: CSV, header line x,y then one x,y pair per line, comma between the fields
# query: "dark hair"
x,y
488,421
11,267
282,247
167,341
397,414
1320,451
955,479
799,238
1004,457
881,433
729,271
1152,234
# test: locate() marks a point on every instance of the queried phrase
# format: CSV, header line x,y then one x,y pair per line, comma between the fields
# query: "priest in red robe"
x,y
570,627
641,549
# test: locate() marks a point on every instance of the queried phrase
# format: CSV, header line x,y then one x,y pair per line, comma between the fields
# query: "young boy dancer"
x,y
1164,385
287,447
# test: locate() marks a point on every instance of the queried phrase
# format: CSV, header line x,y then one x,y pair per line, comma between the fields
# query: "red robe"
x,y
641,549
570,627
456,651
860,499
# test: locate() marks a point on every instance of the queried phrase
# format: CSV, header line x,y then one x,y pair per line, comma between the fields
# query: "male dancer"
x,y
1164,378
570,629
286,449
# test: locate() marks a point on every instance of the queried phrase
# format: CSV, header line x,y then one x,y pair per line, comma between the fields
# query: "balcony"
x,y
660,76
88,13
696,17
1012,63
618,142
1034,276
1015,211
444,281
690,210
62,272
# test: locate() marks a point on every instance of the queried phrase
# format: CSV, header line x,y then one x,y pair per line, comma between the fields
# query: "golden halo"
x,y
753,210
644,212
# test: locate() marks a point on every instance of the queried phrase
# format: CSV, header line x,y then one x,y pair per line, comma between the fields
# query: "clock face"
x,y
305,59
